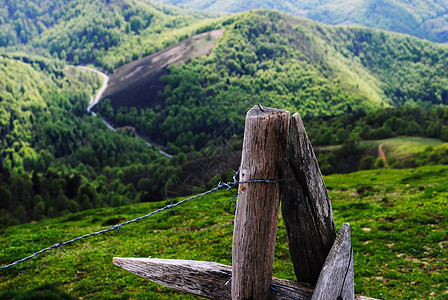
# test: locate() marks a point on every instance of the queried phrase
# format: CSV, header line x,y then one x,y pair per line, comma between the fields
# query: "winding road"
x,y
94,101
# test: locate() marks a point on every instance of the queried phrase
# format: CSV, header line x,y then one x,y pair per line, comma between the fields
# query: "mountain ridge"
x,y
289,62
107,34
424,19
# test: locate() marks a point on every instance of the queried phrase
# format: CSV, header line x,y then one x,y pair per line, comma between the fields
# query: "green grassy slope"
x,y
287,62
425,19
406,131
401,152
398,147
401,147
399,237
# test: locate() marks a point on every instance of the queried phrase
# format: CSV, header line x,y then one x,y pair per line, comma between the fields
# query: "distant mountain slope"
x,y
288,62
107,33
426,19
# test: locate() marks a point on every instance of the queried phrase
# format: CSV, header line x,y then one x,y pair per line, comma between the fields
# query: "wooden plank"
x,y
306,207
204,279
264,150
336,280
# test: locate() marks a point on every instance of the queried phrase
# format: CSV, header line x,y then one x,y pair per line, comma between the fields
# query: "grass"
x,y
399,228
397,147
401,147
399,236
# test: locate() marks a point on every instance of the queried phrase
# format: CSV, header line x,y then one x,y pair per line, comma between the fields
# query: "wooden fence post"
x,y
336,280
308,218
264,150
306,207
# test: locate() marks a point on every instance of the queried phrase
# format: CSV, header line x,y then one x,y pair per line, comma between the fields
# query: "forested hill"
x,y
279,60
54,157
106,33
424,19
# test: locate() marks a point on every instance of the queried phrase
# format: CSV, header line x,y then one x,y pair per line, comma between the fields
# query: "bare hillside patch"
x,y
138,83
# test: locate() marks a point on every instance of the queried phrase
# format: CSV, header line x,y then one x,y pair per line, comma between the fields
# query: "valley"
x,y
90,90
337,70
96,98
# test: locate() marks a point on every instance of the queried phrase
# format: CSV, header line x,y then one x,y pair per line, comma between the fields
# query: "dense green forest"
x,y
55,158
107,34
380,124
272,58
425,19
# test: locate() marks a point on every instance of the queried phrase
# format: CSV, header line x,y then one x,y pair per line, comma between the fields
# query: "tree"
x,y
136,24
20,213
5,198
63,55
39,209
379,163
444,133
367,163
144,184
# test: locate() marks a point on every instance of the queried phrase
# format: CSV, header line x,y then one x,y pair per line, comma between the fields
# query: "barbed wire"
x,y
221,185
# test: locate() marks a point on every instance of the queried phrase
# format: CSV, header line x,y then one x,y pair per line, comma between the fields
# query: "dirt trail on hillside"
x,y
381,153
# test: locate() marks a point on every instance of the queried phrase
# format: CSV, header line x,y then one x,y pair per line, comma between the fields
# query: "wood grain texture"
x,y
306,207
337,276
204,279
200,278
264,150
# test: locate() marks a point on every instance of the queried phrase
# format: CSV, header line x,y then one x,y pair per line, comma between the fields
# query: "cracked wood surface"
x,y
254,235
204,279
306,207
337,277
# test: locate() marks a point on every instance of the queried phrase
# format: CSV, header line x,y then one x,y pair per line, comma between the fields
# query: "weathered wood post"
x,y
264,150
319,255
336,280
306,207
